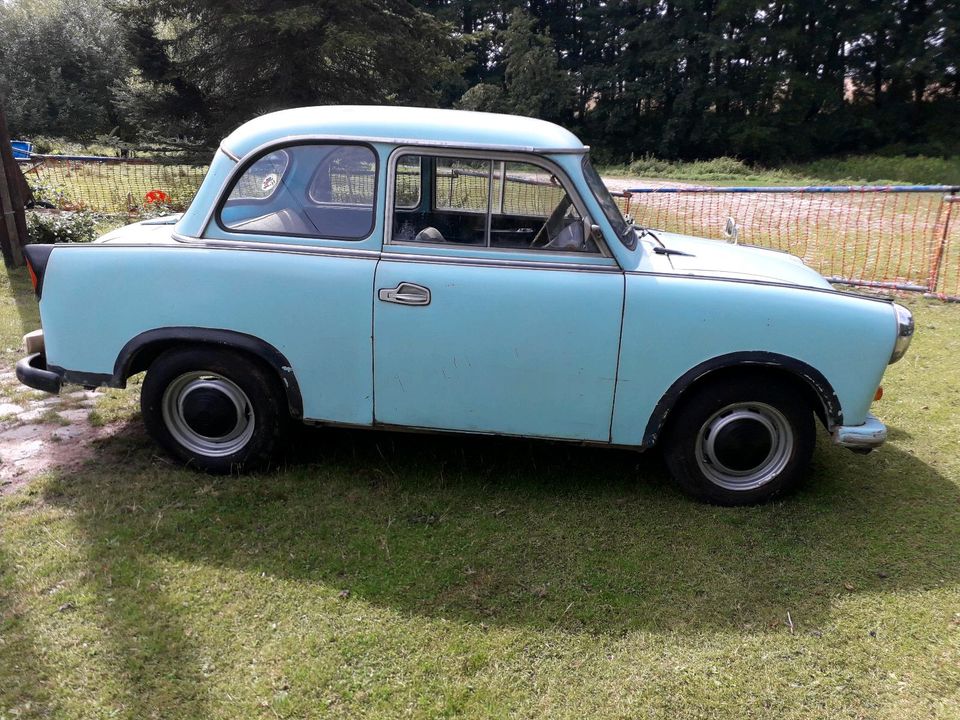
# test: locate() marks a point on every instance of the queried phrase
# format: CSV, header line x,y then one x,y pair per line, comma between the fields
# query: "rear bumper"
x,y
32,371
861,438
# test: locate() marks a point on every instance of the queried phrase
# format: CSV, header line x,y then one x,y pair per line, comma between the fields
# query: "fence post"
x,y
937,261
13,233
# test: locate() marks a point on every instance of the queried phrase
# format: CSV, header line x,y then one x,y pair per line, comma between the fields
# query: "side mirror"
x,y
731,231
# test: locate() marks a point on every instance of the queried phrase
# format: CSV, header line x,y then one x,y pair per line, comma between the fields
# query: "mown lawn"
x,y
377,575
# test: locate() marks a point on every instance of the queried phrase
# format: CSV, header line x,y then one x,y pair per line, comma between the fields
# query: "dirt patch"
x,y
40,432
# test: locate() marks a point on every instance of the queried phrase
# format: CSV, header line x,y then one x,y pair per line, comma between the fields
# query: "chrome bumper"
x,y
861,438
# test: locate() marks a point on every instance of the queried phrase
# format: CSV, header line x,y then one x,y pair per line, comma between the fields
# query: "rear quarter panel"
x,y
315,309
674,323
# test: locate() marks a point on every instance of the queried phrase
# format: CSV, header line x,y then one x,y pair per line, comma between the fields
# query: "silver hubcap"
x,y
744,446
208,414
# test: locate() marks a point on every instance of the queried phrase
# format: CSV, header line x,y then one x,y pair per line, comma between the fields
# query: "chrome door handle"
x,y
405,294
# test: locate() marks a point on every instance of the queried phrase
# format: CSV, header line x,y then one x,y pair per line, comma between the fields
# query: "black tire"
x,y
212,409
740,441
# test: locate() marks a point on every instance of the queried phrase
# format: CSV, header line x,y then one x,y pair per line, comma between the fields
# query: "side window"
x,y
261,179
461,184
316,190
488,203
407,194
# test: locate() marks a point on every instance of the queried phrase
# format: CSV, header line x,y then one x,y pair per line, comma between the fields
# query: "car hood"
x,y
715,258
146,232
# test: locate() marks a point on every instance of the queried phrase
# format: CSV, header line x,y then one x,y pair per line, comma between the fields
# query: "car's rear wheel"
x,y
740,441
213,409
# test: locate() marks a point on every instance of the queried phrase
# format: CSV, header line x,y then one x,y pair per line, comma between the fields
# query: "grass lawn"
x,y
392,575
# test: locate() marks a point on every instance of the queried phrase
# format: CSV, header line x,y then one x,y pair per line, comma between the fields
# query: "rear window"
x,y
312,190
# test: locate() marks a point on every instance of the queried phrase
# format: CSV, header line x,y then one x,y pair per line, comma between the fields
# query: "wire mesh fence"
x,y
903,238
111,185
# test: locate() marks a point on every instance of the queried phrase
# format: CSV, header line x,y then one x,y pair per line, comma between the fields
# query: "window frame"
x,y
419,200
240,170
493,156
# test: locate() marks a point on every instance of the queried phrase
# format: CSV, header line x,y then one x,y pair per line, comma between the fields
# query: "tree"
x,y
58,61
535,84
217,64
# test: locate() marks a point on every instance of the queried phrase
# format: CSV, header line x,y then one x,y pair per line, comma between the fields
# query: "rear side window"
x,y
314,190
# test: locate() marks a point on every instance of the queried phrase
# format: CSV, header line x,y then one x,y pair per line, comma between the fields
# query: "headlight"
x,y
904,332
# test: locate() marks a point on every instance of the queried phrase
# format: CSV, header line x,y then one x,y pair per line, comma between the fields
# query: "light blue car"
x,y
453,271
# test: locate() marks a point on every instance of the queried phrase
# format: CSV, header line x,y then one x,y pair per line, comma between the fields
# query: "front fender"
x,y
676,325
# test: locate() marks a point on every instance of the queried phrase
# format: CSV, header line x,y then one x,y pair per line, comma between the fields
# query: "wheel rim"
x,y
744,446
208,414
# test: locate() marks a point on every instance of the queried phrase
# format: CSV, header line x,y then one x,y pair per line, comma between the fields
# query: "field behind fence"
x,y
902,238
905,238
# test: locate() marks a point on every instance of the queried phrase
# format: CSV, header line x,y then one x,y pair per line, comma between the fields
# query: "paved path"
x,y
39,432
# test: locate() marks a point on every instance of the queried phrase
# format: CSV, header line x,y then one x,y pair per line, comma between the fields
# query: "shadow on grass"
x,y
523,533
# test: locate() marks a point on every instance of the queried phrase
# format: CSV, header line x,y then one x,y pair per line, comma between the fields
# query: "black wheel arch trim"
x,y
813,378
217,337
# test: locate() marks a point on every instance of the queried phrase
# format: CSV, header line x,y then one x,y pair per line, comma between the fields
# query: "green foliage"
x,y
59,59
46,192
682,80
895,168
202,67
484,97
61,227
853,170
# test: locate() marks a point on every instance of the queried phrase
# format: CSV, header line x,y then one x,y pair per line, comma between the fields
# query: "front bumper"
x,y
32,371
861,438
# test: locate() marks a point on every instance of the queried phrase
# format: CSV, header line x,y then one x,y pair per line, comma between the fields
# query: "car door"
x,y
485,321
309,210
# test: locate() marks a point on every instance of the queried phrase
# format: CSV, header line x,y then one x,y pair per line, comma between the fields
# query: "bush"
x,y
61,227
47,193
891,168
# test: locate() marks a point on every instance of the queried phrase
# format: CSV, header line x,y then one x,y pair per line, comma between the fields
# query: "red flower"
x,y
156,197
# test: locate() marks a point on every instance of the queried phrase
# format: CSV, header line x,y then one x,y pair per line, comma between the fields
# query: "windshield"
x,y
621,227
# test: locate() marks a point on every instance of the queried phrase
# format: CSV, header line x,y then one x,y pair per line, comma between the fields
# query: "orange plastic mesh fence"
x,y
900,238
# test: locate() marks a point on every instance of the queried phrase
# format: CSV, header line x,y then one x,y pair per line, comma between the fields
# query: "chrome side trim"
x,y
212,243
766,283
194,244
496,262
415,142
229,154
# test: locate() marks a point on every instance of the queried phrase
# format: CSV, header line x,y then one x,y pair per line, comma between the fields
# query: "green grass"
x,y
852,170
378,575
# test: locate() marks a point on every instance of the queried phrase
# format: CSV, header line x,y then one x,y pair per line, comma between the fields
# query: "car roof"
x,y
403,126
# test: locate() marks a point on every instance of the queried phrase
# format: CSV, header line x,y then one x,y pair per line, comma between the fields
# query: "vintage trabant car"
x,y
453,271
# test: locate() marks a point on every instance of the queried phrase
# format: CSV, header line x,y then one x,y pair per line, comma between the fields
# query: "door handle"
x,y
405,294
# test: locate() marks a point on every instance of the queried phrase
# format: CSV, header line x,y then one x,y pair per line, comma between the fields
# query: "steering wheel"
x,y
553,225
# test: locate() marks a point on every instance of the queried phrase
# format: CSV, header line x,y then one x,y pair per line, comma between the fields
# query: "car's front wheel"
x,y
740,441
213,409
